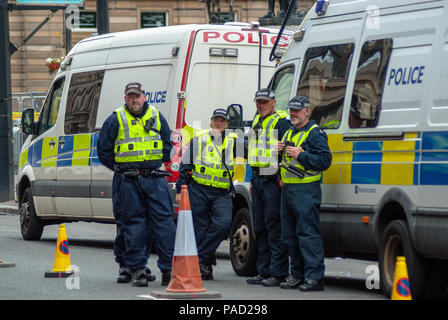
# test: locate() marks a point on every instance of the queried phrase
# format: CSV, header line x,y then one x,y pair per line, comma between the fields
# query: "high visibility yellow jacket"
x,y
263,142
208,168
134,143
297,139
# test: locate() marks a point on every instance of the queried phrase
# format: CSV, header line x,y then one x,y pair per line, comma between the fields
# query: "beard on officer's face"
x,y
135,103
297,117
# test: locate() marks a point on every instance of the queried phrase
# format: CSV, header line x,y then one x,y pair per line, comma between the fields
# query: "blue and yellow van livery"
x,y
377,83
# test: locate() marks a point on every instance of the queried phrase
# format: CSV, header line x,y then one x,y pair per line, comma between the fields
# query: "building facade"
x,y
30,72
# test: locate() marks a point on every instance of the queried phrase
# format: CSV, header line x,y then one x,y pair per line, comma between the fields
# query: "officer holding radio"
x,y
268,127
133,142
305,156
207,169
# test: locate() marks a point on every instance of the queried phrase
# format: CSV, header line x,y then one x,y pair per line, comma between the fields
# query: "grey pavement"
x,y
336,268
10,206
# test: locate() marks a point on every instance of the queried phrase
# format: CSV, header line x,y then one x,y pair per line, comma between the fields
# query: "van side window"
x,y
369,83
324,79
82,102
50,109
281,85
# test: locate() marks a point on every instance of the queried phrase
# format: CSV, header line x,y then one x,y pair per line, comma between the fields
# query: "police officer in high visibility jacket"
x,y
207,168
268,127
133,142
305,156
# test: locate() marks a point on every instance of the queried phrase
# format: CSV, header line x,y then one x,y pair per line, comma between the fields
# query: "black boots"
x,y
206,270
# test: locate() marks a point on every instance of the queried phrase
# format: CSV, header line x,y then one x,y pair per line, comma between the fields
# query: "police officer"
x,y
268,126
207,168
305,156
133,142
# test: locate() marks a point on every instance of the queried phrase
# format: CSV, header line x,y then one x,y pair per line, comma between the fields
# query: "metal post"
x,y
68,34
102,16
6,155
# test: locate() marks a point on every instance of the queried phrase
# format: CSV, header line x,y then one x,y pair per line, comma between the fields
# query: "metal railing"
x,y
20,102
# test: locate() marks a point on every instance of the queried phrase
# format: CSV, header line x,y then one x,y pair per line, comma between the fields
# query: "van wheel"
x,y
30,225
243,251
396,241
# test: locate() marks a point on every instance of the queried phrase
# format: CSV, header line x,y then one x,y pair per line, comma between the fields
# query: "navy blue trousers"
x,y
212,218
272,257
301,229
143,213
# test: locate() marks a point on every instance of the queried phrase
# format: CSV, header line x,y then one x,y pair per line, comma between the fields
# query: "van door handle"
x,y
52,143
62,141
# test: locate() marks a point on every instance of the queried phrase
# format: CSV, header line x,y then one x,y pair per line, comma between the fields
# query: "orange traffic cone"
x,y
62,266
186,281
402,288
185,274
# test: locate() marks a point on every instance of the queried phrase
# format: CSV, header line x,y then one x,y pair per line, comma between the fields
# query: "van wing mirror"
x,y
28,121
235,112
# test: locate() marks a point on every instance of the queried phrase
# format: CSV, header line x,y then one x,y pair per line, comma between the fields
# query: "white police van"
x,y
376,74
187,72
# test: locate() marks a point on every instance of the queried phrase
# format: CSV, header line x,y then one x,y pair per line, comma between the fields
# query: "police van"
x,y
376,74
187,72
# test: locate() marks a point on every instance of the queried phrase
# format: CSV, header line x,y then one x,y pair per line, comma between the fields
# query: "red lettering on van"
x,y
265,39
284,41
210,35
251,36
227,35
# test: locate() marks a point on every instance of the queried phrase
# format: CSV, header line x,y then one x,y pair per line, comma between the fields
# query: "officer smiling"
x,y
305,156
133,142
207,168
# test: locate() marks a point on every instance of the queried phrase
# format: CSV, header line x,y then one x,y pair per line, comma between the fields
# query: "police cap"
x,y
298,103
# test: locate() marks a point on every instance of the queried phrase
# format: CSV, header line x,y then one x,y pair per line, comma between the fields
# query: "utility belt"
x,y
134,173
271,177
207,187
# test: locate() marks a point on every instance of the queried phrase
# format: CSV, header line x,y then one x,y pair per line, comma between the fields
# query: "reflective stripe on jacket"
x,y
289,177
134,143
263,141
208,168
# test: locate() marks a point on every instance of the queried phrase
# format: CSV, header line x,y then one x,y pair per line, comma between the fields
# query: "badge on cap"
x,y
264,94
133,87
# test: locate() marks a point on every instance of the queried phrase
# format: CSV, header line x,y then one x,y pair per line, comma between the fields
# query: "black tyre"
x,y
396,241
30,225
243,250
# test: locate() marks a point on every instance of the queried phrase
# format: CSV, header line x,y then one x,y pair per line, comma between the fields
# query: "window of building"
x,y
153,19
324,79
82,102
227,17
87,22
50,109
369,83
223,17
281,85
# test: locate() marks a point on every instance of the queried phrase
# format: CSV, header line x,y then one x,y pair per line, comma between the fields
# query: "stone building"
x,y
28,64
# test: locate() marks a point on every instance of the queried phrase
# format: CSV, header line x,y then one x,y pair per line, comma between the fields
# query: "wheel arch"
x,y
242,200
23,184
396,204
